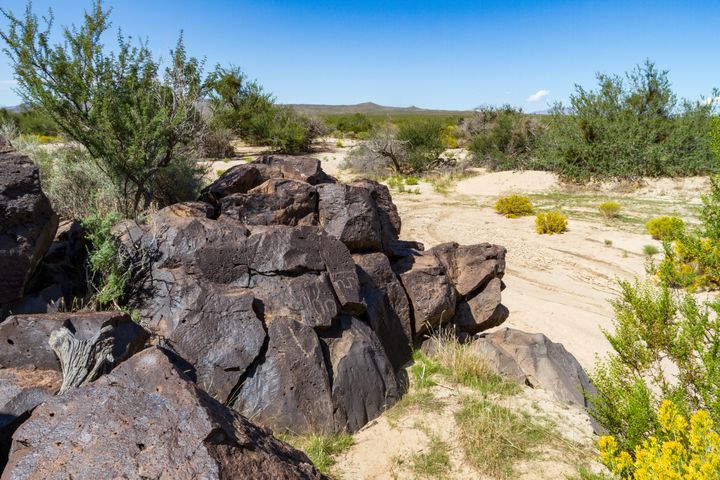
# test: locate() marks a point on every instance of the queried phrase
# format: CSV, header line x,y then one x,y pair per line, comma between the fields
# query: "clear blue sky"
x,y
434,54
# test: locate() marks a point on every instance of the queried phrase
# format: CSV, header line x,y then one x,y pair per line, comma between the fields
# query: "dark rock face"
x,y
24,338
363,380
27,223
388,309
275,202
483,311
126,425
429,288
290,390
349,214
21,390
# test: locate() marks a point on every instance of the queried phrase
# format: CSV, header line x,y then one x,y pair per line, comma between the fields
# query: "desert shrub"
x,y
425,140
665,228
244,108
108,276
629,127
502,138
72,180
681,448
356,123
664,347
215,143
134,119
714,136
550,222
514,206
609,209
338,143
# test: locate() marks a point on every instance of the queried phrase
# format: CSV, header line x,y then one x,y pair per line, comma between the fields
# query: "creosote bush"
x,y
665,228
609,209
514,206
551,222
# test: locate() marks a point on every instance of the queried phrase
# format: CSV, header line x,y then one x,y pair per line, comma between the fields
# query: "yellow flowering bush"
x,y
680,450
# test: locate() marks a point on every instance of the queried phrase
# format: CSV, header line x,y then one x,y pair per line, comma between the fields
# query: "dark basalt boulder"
x,y
428,286
364,384
388,309
25,338
349,214
275,202
388,215
483,311
27,223
471,267
238,179
21,390
289,389
147,420
305,169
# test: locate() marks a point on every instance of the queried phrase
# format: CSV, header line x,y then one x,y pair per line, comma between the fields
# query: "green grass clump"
x,y
650,250
320,449
338,143
609,209
550,222
434,462
665,228
514,206
494,438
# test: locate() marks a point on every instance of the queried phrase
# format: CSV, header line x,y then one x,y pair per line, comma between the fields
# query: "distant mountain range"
x,y
370,108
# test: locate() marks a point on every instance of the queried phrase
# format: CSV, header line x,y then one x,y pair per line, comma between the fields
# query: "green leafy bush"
x,y
609,209
664,347
514,206
665,228
502,138
108,276
550,222
134,119
628,128
425,140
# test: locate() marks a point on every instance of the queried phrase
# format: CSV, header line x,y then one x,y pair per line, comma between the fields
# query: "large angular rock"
x,y
25,338
21,390
388,309
215,330
471,267
363,380
147,420
349,214
431,293
483,311
27,223
305,169
390,223
238,179
544,363
289,390
275,202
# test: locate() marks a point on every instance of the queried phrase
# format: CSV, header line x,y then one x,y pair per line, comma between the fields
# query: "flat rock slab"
x,y
147,420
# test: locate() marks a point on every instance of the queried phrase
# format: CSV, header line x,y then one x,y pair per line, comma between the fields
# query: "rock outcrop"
x,y
292,297
146,419
27,222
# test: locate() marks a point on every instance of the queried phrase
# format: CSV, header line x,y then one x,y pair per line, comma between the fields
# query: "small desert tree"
x,y
136,122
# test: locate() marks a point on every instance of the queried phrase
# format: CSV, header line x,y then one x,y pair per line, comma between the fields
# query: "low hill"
x,y
370,108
